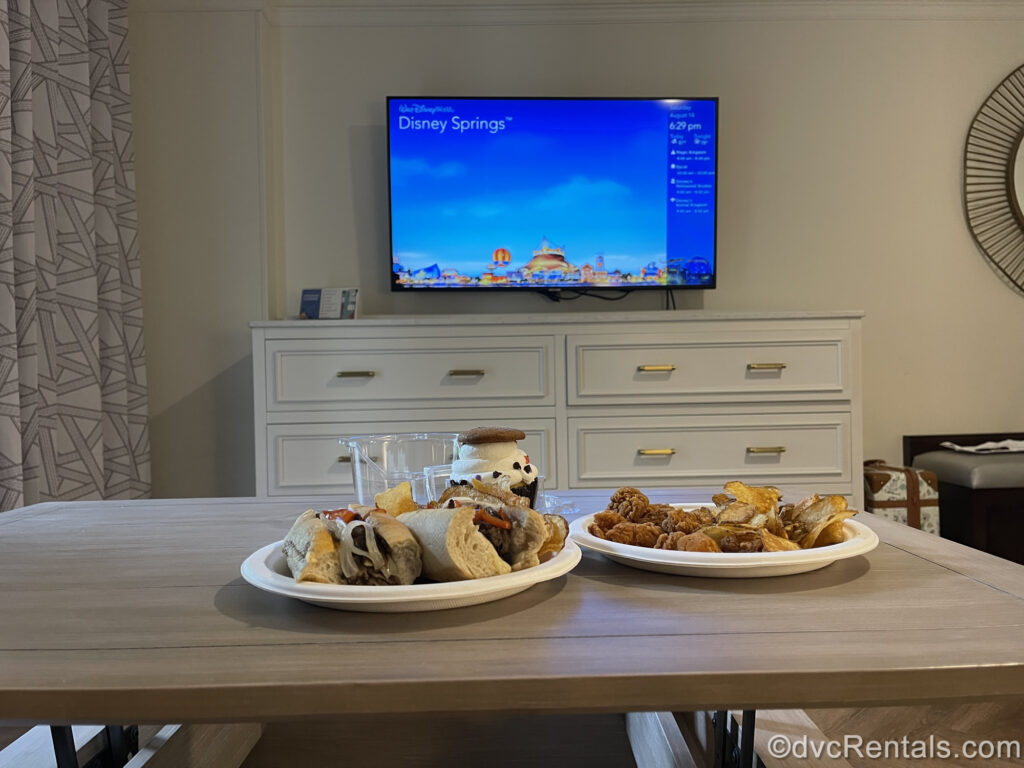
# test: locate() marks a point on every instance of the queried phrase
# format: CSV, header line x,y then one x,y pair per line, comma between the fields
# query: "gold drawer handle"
x,y
348,459
356,374
765,366
656,451
766,449
655,368
467,372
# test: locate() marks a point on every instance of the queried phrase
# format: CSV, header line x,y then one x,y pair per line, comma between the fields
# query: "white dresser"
x,y
651,399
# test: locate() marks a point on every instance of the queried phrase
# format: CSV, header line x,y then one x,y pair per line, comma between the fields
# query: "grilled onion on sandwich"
x,y
348,547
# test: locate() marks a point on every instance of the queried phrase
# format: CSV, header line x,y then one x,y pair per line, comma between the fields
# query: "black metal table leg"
x,y
121,742
64,746
747,739
117,747
734,743
721,718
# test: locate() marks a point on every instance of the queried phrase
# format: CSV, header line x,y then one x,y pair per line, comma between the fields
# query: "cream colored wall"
x,y
198,144
840,170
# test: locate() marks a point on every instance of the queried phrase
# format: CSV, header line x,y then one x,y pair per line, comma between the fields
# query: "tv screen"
x,y
520,193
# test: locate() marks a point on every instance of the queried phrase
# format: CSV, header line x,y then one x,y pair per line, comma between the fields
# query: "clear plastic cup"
x,y
380,462
437,479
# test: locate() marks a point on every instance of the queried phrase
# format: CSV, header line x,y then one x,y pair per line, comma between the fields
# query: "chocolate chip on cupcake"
x,y
492,454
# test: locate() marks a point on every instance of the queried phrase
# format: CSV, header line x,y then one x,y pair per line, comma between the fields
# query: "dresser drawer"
x,y
316,375
630,368
710,450
308,459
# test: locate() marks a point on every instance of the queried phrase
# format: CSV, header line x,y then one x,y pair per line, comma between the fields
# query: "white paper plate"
x,y
730,565
266,569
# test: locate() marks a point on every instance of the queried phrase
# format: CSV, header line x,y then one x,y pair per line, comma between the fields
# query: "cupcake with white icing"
x,y
492,455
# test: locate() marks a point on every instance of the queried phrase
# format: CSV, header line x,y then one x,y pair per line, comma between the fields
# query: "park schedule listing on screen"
x,y
552,193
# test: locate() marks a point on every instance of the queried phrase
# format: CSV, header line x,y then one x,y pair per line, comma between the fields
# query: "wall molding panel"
x,y
405,13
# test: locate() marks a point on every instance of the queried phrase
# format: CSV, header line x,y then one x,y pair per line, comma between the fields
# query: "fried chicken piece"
x,y
687,520
637,534
626,492
746,541
629,501
653,513
687,542
632,507
636,507
608,519
722,499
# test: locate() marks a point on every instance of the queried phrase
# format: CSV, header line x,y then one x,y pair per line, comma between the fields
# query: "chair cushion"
x,y
971,470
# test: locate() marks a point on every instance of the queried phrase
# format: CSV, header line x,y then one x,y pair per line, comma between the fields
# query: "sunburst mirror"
x,y
994,179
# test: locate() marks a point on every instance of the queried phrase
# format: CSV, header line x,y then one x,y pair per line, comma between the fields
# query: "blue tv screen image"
x,y
552,193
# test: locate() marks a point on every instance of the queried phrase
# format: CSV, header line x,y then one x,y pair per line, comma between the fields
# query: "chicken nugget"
x,y
687,542
630,507
686,520
742,541
637,534
653,513
629,502
628,492
608,519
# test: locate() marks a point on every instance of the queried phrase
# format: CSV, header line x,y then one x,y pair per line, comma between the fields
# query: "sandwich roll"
x,y
526,537
521,535
517,532
311,551
453,547
490,494
404,554
374,548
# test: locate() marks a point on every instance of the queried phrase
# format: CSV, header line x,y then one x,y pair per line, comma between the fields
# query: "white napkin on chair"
x,y
1002,446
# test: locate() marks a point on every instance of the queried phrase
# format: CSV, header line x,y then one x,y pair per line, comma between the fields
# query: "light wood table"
x,y
135,612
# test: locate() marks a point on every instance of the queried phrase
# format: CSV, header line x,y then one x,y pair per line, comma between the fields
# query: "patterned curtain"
x,y
73,407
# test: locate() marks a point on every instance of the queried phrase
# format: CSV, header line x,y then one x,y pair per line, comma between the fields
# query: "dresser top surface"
x,y
564,318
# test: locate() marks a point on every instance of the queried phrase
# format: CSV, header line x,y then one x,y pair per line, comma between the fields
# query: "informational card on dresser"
x,y
349,305
329,304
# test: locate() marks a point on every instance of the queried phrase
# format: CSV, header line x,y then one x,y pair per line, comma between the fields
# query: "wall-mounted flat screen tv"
x,y
552,193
